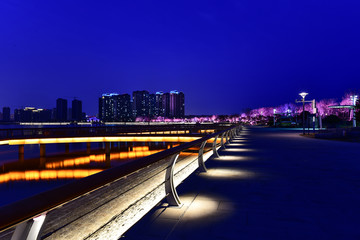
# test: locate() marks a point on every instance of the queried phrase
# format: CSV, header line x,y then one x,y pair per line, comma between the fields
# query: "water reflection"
x,y
78,164
38,175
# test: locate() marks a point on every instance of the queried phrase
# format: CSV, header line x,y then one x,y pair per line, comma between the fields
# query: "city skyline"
x,y
233,54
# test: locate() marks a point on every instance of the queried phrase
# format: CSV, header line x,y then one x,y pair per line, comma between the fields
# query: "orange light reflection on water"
x,y
138,152
36,175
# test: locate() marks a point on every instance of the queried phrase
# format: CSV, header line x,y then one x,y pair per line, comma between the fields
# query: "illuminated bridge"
x,y
266,183
106,204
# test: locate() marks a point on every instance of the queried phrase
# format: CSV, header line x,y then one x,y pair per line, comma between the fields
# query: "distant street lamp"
x,y
354,98
288,111
274,116
303,95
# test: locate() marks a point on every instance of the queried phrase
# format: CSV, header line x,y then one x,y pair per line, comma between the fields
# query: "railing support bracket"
x,y
202,166
29,230
214,148
171,194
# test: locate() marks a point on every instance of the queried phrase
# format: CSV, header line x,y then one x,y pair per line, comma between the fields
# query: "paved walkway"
x,y
268,184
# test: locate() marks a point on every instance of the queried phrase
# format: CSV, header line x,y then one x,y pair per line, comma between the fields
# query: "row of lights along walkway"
x,y
200,207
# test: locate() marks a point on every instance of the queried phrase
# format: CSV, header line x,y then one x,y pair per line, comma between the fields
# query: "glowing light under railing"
x,y
103,139
237,144
36,175
229,149
233,158
201,207
228,173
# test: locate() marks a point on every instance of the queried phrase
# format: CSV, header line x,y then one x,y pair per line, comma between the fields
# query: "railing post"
x,y
30,229
171,194
227,137
202,166
214,147
237,130
222,140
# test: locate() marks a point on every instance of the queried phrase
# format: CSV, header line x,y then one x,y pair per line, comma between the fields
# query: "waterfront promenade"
x,y
268,184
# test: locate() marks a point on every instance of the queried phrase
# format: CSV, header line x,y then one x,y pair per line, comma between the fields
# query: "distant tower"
x,y
61,110
141,103
6,114
177,104
159,110
166,104
76,106
107,107
115,108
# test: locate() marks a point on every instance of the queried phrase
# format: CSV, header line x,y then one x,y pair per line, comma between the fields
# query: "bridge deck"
x,y
269,184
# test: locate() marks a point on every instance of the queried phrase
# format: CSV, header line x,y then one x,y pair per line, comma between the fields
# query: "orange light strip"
x,y
138,152
101,139
36,175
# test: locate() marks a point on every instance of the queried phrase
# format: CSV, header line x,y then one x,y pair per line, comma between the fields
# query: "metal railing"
x,y
107,204
69,131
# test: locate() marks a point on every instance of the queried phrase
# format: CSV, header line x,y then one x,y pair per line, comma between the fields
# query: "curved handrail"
x,y
17,212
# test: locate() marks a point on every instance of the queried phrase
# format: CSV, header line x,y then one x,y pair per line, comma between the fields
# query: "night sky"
x,y
224,55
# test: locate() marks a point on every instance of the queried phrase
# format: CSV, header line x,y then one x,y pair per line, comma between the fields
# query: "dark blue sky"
x,y
224,55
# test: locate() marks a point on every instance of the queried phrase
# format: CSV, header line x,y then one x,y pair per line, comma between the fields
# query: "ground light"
x,y
228,173
234,158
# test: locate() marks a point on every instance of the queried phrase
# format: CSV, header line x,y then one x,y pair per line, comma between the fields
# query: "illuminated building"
x,y
76,110
166,104
124,107
152,105
141,103
31,114
158,108
119,108
114,108
61,110
177,104
6,114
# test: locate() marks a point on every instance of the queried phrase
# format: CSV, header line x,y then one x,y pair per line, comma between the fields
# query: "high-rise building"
x,y
107,107
141,103
159,110
115,108
181,104
124,108
166,104
177,104
31,114
6,114
61,110
152,105
76,110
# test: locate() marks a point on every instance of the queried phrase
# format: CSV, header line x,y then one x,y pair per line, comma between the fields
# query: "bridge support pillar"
x,y
107,153
67,147
107,148
214,148
88,148
42,150
171,194
29,229
202,166
21,152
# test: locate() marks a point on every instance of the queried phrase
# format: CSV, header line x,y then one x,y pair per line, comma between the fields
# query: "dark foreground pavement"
x,y
268,184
